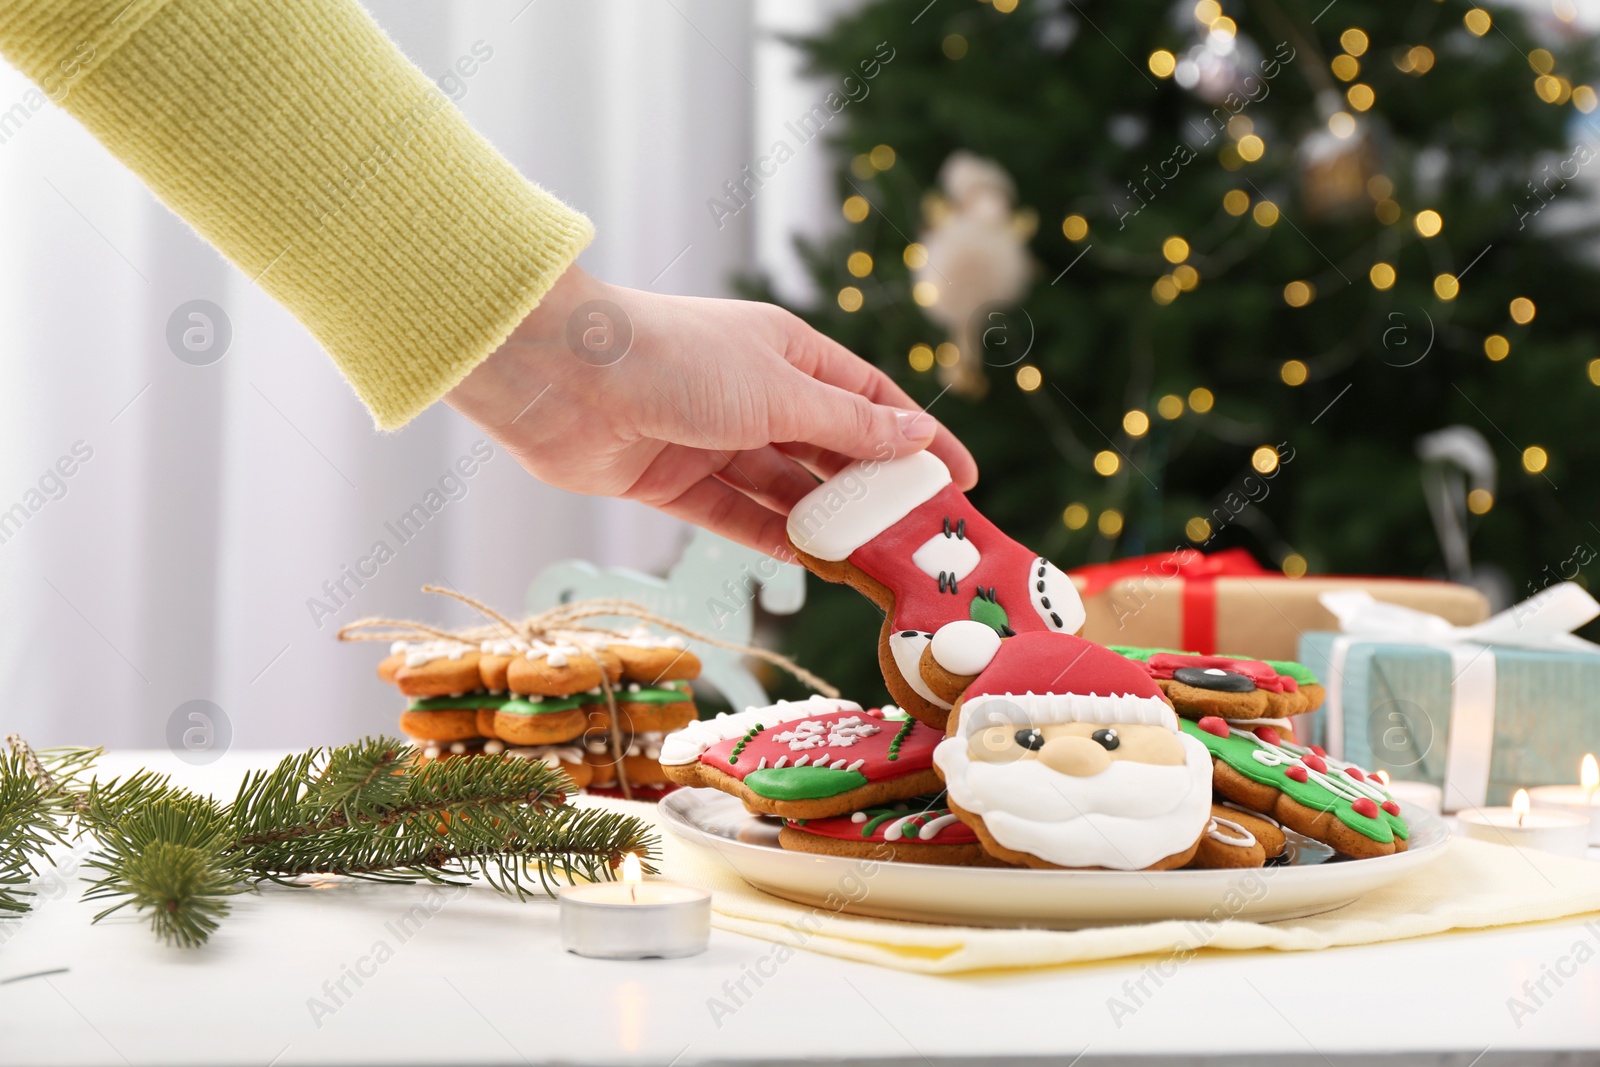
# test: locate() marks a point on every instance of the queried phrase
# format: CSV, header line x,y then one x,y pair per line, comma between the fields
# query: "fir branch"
x,y
39,792
362,810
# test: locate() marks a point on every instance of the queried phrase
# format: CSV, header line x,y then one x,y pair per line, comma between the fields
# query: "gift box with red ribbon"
x,y
1226,601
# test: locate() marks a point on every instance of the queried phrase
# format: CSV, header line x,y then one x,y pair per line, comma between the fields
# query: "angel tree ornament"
x,y
977,256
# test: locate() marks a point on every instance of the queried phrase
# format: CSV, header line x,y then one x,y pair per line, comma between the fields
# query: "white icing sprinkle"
x,y
931,828
859,817
856,766
688,744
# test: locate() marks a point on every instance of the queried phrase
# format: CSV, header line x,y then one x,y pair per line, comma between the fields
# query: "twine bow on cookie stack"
x,y
569,622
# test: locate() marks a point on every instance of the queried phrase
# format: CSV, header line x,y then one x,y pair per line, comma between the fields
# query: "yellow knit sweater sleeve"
x,y
295,137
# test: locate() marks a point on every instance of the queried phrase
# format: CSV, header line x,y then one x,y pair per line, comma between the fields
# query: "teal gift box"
x,y
1396,700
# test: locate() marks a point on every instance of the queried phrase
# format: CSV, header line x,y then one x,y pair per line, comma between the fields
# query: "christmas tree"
x,y
1134,253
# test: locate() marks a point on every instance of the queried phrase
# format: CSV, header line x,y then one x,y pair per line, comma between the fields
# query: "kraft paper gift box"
x,y
1480,711
1227,602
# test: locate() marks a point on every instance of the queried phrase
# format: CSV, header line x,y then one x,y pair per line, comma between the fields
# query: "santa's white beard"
x,y
1125,818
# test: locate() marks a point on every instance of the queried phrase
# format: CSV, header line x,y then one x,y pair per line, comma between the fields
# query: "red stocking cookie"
x,y
901,533
1064,754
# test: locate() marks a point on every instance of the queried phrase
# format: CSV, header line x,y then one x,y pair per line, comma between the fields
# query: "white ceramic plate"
x,y
1314,880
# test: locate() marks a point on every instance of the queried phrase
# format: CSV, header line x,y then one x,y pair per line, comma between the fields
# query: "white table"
x,y
482,979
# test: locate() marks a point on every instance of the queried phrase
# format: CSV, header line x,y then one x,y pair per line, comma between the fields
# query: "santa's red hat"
x,y
1057,678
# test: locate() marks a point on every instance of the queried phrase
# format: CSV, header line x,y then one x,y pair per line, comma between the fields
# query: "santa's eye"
x,y
1030,739
1107,739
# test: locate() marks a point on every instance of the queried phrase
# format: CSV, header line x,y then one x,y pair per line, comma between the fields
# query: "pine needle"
x,y
363,811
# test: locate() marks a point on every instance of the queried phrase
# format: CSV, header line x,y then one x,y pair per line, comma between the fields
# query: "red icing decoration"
x,y
1162,664
841,828
1213,725
1269,735
1355,772
1315,762
1297,772
915,753
919,603
1366,807
1319,750
1391,807
1061,663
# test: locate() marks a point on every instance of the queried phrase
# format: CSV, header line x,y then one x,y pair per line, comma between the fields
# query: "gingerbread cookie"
x,y
1231,687
645,658
558,668
539,720
806,759
567,758
1064,754
431,668
645,708
916,832
1238,838
1301,787
902,534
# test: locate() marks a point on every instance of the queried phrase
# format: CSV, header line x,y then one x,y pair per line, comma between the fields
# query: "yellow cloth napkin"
x,y
1474,885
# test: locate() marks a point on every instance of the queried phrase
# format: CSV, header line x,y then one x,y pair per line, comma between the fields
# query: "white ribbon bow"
x,y
1543,621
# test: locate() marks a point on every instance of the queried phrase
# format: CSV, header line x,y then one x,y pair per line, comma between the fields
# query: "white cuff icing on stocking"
x,y
862,501
965,646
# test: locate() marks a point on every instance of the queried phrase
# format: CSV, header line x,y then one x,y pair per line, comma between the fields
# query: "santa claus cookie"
x,y
1232,687
901,533
807,759
1302,787
1064,754
1238,838
913,832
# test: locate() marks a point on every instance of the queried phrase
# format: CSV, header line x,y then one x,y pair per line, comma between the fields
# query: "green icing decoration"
x,y
1236,753
803,783
988,611
547,706
479,699
515,705
1289,669
899,738
652,695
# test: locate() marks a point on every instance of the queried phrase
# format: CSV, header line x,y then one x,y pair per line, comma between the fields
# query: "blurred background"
x,y
1145,257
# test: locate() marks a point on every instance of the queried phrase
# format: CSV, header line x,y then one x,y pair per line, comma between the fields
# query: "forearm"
x,y
294,136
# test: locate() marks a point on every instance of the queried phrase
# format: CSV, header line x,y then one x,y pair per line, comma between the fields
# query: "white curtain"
x,y
207,506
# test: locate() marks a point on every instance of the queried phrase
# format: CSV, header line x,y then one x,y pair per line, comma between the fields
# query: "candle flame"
x,y
1382,776
632,870
1521,805
1589,773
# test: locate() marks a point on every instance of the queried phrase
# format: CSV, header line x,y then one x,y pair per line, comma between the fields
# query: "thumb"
x,y
851,425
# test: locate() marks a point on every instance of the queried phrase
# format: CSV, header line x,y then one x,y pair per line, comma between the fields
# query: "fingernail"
x,y
915,425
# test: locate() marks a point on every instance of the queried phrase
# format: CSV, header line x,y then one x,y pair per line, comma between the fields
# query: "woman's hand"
x,y
719,412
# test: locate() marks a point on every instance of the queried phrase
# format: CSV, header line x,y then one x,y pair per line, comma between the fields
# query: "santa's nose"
x,y
1077,756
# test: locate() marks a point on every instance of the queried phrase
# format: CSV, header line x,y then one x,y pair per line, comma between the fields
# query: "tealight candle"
x,y
1424,795
633,919
1582,799
1520,825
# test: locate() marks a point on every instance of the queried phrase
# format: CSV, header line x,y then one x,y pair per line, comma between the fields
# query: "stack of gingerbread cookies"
x,y
546,699
1021,743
